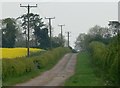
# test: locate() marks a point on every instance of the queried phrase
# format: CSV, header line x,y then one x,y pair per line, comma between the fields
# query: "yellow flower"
x,y
15,52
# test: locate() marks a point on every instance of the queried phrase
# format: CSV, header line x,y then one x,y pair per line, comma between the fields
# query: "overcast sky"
x,y
78,17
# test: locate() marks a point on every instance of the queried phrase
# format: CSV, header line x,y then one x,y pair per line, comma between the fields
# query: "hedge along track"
x,y
57,75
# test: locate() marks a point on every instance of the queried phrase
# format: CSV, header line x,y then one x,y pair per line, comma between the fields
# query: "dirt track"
x,y
57,75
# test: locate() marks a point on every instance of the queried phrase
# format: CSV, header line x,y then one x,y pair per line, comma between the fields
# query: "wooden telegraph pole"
x,y
28,8
61,25
50,28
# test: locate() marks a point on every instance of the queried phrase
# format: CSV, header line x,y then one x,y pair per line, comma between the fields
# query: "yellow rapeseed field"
x,y
15,52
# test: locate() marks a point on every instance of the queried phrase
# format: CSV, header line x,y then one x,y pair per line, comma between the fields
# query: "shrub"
x,y
98,51
106,58
20,66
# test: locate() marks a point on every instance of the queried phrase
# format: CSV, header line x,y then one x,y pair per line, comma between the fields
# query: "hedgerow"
x,y
106,58
20,66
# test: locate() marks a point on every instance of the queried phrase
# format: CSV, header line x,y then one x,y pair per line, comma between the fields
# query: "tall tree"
x,y
38,29
42,38
20,35
8,32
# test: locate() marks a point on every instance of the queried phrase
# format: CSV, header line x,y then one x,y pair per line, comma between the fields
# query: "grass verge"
x,y
20,70
84,74
26,77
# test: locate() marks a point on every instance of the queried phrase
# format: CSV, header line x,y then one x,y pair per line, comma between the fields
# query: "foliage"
x,y
38,30
15,31
103,45
42,37
84,73
96,33
20,36
8,32
13,68
106,58
57,41
101,31
99,51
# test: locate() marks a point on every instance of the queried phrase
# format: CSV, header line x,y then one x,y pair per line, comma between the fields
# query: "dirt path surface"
x,y
57,75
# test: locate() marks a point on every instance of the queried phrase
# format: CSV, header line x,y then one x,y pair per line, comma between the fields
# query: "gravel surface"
x,y
57,75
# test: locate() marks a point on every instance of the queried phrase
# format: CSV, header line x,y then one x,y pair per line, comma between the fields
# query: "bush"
x,y
20,66
98,51
106,58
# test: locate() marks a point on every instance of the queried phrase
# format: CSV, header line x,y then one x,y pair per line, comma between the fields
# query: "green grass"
x,y
21,70
26,77
84,75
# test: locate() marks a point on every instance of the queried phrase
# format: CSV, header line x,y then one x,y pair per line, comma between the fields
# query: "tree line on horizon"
x,y
14,32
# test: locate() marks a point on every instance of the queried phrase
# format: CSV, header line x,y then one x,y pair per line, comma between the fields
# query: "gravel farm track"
x,y
57,75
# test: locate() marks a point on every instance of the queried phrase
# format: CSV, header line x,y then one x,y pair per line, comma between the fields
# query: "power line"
x,y
28,8
50,28
61,25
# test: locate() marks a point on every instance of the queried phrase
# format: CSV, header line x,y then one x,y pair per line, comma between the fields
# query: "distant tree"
x,y
0,33
57,41
42,38
34,20
0,38
21,39
8,32
103,45
38,30
104,32
79,44
96,33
